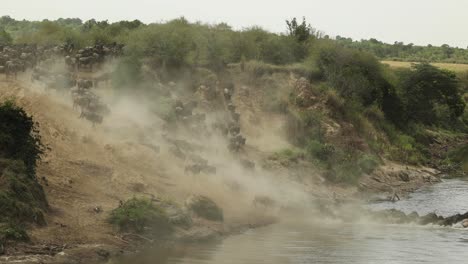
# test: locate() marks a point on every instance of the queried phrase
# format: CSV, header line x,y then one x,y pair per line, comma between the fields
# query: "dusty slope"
x,y
131,154
88,167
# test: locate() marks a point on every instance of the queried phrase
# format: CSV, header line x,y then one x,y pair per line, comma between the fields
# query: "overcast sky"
x,y
411,21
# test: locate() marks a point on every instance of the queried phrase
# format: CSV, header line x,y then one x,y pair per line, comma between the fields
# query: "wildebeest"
x,y
84,83
12,68
93,117
199,168
263,201
85,62
234,129
236,142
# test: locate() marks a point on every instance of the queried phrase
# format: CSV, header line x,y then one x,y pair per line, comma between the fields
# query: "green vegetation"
x,y
22,199
141,216
384,112
19,137
287,156
455,67
5,38
457,159
205,207
11,232
407,52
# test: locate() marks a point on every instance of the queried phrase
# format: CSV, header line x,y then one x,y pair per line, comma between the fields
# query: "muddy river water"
x,y
307,241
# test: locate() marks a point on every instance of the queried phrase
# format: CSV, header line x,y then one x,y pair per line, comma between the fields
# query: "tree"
x,y
354,74
5,38
425,87
302,32
19,137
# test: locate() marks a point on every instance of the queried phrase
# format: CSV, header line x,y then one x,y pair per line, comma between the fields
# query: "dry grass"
x,y
448,66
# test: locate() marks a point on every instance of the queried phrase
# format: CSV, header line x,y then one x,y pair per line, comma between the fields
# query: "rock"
x,y
97,209
103,253
464,223
404,176
413,217
431,218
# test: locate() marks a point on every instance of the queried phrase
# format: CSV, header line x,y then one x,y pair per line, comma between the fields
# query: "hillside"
x,y
182,131
96,167
88,170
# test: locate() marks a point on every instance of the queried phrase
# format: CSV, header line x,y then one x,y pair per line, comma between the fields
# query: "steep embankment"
x,y
88,170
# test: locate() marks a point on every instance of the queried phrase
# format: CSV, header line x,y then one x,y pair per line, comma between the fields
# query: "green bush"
x,y
5,38
141,216
347,172
13,232
431,95
19,136
354,74
459,157
22,199
285,156
368,163
205,207
321,151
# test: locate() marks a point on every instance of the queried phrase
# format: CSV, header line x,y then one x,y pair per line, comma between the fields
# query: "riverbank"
x,y
393,178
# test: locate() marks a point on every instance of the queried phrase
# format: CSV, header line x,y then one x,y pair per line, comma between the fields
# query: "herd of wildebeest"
x,y
76,72
42,62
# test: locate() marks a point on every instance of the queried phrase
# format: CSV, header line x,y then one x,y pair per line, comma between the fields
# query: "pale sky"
x,y
411,21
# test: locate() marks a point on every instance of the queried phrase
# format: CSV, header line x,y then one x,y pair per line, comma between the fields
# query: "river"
x,y
309,241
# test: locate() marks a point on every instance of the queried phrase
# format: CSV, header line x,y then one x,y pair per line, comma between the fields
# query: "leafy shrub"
x,y
352,73
459,157
205,207
127,73
286,156
140,215
19,136
347,172
22,199
426,89
406,149
368,163
13,232
321,151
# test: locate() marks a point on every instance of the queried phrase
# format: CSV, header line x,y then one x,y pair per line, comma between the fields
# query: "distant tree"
x,y
74,22
131,24
302,32
354,74
90,24
5,38
6,20
426,86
